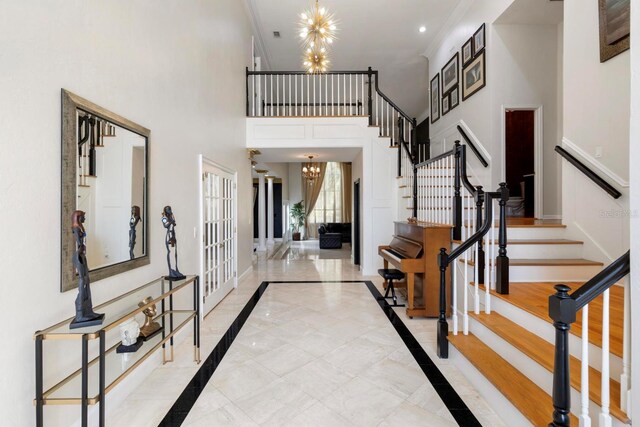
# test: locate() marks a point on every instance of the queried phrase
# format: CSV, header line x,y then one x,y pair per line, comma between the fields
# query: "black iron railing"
x,y
610,189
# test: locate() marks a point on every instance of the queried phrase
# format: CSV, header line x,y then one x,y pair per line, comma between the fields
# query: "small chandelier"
x,y
316,61
317,27
310,172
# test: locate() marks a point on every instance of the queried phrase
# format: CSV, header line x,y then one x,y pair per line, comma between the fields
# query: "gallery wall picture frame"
x,y
454,98
479,41
615,31
474,77
451,74
435,98
446,105
467,52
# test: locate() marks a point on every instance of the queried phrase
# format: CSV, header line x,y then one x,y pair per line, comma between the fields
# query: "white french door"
x,y
218,230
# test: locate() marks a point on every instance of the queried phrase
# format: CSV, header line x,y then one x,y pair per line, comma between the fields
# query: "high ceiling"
x,y
382,34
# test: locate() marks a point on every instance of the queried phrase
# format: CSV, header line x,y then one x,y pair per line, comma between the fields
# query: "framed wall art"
x,y
615,27
454,98
478,41
435,98
474,77
450,74
467,52
446,106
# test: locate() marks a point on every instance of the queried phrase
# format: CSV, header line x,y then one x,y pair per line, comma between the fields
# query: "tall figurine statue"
x,y
133,222
85,316
169,222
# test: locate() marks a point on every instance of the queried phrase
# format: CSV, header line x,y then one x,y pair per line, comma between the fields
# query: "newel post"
x,y
479,196
562,309
369,99
502,260
457,199
443,326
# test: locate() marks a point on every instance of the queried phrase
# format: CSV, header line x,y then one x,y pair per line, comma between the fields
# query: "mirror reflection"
x,y
110,184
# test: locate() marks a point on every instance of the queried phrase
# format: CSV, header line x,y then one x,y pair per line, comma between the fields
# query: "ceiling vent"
x,y
276,34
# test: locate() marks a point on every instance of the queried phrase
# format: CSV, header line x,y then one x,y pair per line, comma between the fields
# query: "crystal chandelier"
x,y
310,172
317,28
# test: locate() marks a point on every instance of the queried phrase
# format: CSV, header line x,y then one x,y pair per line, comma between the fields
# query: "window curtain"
x,y
345,169
311,193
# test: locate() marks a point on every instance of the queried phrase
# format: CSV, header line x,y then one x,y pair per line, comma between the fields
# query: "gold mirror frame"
x,y
71,103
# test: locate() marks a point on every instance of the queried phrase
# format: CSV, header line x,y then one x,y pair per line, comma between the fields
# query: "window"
x,y
328,207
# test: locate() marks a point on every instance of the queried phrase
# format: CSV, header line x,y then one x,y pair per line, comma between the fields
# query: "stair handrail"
x,y
473,146
597,179
444,259
563,309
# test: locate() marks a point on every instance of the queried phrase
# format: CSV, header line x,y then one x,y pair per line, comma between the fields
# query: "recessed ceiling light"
x,y
422,29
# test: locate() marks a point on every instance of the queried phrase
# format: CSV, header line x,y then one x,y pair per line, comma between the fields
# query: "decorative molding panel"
x,y
279,132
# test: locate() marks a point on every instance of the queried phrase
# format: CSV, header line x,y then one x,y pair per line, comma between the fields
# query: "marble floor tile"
x,y
310,354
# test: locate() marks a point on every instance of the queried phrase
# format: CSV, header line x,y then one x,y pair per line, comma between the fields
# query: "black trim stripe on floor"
x,y
454,403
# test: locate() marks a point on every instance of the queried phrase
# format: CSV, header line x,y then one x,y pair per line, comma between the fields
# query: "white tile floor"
x,y
310,354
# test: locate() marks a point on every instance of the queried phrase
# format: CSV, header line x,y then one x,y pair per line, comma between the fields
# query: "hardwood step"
x,y
524,394
545,262
542,352
533,297
536,242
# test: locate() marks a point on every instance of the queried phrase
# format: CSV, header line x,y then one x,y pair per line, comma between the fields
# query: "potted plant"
x,y
297,216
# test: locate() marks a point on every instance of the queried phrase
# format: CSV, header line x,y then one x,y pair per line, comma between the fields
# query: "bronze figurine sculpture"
x,y
169,222
85,316
133,222
150,328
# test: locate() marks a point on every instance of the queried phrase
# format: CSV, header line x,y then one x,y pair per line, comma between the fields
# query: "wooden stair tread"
x,y
542,352
527,397
517,225
546,262
533,297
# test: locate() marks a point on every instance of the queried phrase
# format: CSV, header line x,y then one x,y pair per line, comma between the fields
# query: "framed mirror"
x,y
105,164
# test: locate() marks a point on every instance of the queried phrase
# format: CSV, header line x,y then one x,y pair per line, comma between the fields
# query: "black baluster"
x,y
247,87
39,382
457,199
502,261
443,326
562,309
481,257
369,99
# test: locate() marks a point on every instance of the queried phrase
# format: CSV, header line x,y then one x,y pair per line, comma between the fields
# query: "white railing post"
x,y
605,416
625,377
585,419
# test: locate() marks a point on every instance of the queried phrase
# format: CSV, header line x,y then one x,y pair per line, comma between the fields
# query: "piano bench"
x,y
391,274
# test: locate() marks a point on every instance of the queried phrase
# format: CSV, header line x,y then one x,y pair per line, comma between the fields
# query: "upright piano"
x,y
414,250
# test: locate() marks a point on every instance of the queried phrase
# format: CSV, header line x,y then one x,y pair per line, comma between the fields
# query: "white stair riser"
x,y
536,233
550,251
542,377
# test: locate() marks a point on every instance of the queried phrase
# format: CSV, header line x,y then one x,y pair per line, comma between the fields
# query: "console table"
x,y
98,375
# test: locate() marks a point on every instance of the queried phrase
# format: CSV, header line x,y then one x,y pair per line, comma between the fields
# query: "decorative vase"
x,y
296,236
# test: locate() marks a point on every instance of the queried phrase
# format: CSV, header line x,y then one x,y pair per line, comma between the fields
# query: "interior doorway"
x,y
218,228
522,161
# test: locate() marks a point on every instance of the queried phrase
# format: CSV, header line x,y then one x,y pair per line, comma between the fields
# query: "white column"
x,y
262,224
270,240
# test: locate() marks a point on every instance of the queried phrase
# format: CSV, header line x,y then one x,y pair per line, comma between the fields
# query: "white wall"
x,y
175,67
596,114
596,95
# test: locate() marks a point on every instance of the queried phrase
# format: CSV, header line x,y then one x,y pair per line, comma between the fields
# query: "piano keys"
x,y
414,250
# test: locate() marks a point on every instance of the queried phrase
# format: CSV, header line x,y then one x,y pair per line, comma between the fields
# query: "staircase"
x,y
505,341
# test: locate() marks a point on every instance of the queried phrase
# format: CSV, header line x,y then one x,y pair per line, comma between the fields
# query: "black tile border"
x,y
454,403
